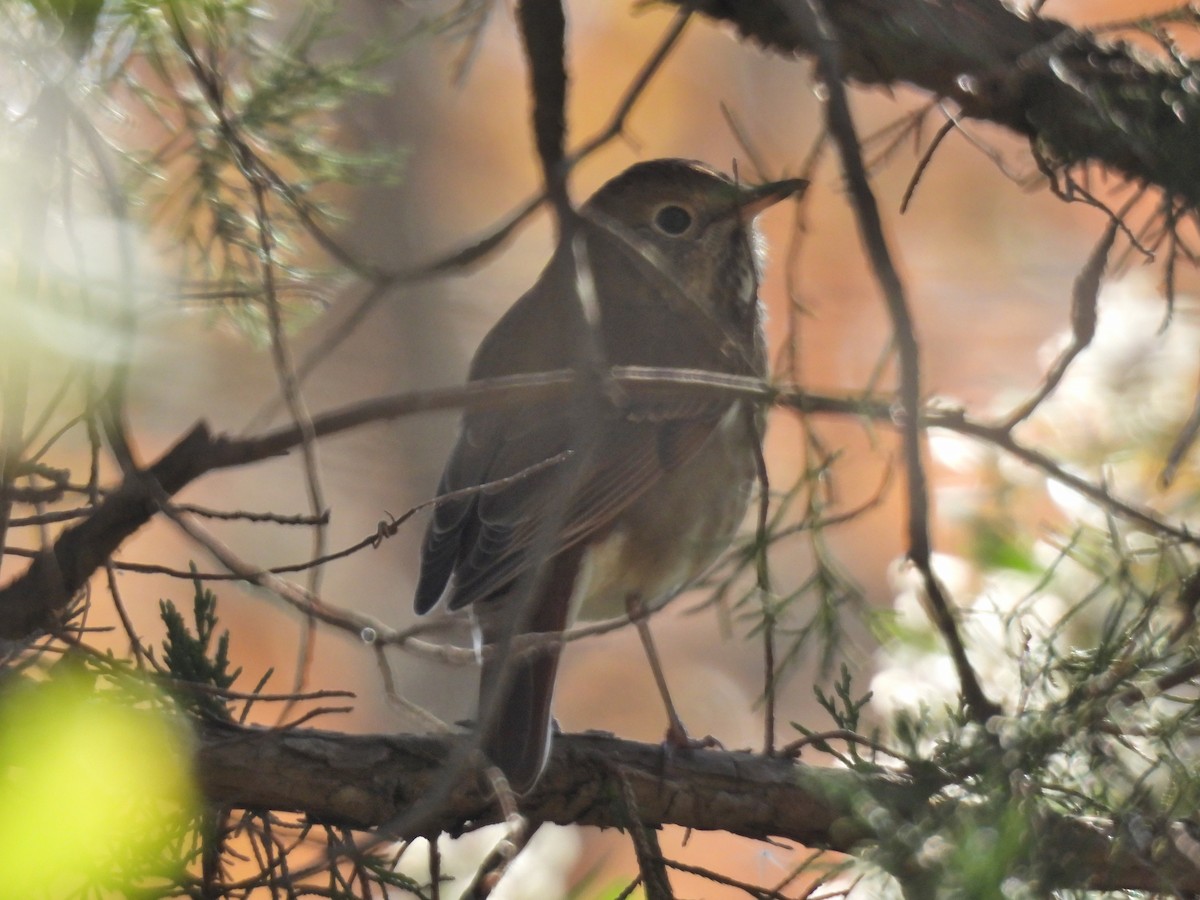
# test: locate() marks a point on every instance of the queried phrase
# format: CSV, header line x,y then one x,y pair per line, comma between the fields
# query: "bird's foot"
x,y
677,738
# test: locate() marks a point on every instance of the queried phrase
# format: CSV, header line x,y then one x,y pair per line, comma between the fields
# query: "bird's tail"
x,y
517,702
518,741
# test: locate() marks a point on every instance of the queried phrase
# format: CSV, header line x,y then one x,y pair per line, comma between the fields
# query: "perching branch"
x,y
365,781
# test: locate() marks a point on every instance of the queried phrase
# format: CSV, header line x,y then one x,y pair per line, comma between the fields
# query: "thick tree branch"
x,y
367,781
1075,98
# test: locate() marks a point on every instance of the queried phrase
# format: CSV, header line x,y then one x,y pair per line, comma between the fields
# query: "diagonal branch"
x,y
383,281
810,17
1075,98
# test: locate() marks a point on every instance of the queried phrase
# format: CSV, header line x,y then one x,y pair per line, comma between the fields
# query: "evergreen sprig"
x,y
192,657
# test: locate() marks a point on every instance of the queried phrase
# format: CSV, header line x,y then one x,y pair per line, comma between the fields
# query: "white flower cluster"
x,y
1113,419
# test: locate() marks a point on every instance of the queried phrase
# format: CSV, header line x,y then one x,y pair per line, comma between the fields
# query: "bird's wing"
x,y
488,539
478,544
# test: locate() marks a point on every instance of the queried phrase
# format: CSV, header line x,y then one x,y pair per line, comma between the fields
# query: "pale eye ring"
x,y
672,219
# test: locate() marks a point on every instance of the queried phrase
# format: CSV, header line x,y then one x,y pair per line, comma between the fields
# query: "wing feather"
x,y
501,534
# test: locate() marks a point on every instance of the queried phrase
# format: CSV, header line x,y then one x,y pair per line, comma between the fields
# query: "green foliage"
x,y
842,706
214,130
193,658
1077,620
92,757
382,873
807,620
250,155
997,545
846,712
76,18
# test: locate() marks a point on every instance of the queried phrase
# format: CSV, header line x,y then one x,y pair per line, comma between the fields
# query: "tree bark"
x,y
1076,98
375,781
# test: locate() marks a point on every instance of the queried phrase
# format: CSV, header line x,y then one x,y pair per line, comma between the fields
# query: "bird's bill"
x,y
753,200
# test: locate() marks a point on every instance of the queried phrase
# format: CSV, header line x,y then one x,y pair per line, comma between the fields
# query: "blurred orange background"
x,y
988,265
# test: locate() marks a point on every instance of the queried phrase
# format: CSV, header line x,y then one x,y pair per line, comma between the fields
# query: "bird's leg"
x,y
677,735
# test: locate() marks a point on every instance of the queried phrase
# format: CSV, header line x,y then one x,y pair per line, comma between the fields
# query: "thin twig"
x,y
1083,323
792,749
27,600
383,531
646,849
382,281
810,17
923,163
616,125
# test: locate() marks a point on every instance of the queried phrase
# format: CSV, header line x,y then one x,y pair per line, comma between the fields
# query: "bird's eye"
x,y
672,220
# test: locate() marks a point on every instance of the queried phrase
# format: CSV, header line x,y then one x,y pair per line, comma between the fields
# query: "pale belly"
x,y
672,534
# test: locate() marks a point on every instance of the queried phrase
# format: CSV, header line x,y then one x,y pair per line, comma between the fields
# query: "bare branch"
x,y
810,18
1083,322
371,780
35,600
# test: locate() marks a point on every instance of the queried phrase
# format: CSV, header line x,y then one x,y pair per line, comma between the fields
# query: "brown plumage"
x,y
652,490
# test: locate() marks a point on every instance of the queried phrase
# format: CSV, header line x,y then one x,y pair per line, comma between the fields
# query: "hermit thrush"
x,y
645,493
